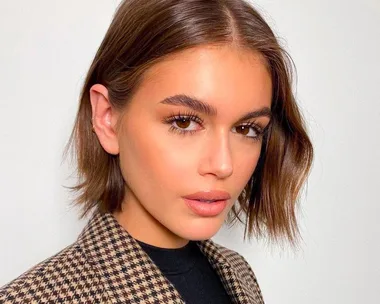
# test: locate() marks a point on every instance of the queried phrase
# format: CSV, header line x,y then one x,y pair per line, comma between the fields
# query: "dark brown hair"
x,y
144,32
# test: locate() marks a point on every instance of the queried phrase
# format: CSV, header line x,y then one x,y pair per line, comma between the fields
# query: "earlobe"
x,y
103,114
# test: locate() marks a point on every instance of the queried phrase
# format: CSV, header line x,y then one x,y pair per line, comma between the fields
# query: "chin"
x,y
201,229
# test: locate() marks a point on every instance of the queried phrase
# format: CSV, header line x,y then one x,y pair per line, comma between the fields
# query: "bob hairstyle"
x,y
144,32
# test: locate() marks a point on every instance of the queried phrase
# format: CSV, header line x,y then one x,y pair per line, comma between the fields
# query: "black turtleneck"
x,y
188,269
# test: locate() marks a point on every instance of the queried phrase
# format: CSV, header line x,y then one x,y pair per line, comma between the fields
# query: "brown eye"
x,y
183,123
248,130
244,130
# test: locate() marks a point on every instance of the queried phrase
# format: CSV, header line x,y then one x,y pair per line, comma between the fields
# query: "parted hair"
x,y
144,32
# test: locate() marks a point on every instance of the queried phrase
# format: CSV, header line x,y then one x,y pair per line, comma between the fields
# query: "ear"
x,y
104,118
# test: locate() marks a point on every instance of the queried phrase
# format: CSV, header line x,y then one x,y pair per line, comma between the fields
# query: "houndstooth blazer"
x,y
107,265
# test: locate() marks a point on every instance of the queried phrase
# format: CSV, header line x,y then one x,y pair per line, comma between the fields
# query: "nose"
x,y
217,159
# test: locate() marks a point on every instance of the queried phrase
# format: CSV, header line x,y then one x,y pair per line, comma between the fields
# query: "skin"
x,y
160,166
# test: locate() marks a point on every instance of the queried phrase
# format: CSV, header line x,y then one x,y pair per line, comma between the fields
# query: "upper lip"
x,y
212,195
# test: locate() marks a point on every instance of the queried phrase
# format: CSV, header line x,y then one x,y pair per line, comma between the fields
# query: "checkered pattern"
x,y
107,265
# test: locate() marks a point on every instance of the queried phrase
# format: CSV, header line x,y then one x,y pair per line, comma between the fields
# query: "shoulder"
x,y
240,266
64,278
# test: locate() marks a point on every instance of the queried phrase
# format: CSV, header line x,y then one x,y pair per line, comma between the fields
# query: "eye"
x,y
250,130
184,123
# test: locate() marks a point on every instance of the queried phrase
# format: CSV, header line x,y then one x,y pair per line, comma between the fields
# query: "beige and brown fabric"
x,y
107,265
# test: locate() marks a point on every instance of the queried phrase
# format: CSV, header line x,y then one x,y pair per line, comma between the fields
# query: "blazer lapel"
x,y
226,265
130,276
126,270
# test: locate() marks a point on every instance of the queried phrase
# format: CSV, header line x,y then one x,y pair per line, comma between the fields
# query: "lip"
x,y
207,203
212,195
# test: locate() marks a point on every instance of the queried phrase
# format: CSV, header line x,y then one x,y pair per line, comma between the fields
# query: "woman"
x,y
186,120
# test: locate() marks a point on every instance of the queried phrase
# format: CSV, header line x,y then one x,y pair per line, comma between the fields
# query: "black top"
x,y
190,272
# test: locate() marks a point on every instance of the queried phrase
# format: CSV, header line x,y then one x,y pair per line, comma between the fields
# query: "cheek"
x,y
245,164
153,158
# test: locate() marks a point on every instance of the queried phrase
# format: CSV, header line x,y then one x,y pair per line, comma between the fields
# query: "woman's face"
x,y
172,146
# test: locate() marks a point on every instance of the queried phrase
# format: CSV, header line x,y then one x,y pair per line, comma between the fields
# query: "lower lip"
x,y
206,208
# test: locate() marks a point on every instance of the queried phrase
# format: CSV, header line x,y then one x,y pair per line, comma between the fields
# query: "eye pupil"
x,y
183,123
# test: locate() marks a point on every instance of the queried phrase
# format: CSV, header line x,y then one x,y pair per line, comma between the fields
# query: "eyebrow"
x,y
192,103
207,109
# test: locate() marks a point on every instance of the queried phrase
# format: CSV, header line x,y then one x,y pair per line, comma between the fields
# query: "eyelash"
x,y
195,118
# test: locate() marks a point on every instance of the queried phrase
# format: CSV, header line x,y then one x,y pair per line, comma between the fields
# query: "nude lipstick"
x,y
207,203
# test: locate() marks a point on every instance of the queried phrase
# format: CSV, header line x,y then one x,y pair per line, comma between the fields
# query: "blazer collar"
x,y
131,276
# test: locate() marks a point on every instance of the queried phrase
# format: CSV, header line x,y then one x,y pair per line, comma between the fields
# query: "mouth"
x,y
209,196
207,203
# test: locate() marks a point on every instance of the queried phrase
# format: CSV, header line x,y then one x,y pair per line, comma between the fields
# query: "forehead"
x,y
221,76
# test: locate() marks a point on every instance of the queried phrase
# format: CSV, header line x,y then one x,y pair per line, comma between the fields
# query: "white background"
x,y
46,48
